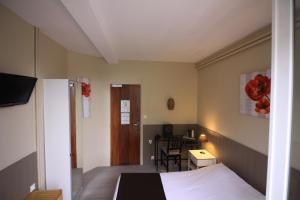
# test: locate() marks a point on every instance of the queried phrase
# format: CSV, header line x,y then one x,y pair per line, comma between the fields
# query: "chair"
x,y
172,150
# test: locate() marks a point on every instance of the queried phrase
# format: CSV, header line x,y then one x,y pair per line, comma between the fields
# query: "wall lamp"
x,y
203,138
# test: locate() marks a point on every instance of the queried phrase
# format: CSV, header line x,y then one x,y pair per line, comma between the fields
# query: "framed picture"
x,y
255,91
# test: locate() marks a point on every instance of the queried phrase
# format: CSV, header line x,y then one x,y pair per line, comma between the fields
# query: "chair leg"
x,y
179,163
161,157
167,163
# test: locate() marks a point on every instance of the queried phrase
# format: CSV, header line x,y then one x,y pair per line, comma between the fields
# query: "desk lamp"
x,y
203,138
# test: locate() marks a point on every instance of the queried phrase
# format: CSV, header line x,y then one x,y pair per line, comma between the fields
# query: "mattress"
x,y
216,182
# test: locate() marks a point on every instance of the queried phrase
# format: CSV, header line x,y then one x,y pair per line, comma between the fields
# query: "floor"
x,y
77,185
100,182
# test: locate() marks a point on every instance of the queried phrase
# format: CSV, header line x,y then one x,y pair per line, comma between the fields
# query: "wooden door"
x,y
125,124
73,125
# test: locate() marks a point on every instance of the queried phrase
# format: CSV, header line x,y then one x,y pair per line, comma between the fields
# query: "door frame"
x,y
72,88
140,117
282,94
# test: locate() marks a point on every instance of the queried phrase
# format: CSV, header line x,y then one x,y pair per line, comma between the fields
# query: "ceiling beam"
x,y
84,15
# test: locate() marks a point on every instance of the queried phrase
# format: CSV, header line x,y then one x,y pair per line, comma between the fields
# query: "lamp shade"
x,y
203,138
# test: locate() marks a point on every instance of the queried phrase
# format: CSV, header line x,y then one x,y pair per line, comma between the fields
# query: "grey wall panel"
x,y
249,164
16,179
246,162
294,185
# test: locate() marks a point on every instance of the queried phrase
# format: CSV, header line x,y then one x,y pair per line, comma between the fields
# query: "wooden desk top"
x,y
45,195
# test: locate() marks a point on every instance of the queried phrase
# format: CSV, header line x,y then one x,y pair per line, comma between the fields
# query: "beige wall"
x,y
17,138
51,63
219,97
159,80
51,58
18,123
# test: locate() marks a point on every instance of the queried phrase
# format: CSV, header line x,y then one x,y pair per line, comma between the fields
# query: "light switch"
x,y
145,116
32,187
150,141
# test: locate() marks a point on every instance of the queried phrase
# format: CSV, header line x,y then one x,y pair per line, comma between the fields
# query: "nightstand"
x,y
200,158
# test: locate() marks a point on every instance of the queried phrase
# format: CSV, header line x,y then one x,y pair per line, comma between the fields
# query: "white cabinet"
x,y
57,135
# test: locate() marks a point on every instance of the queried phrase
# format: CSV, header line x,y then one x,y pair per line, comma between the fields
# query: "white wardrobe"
x,y
57,135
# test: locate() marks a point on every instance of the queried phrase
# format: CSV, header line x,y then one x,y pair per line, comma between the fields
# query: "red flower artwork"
x,y
86,89
263,106
258,89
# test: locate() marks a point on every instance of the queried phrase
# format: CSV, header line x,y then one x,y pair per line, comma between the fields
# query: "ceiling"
x,y
150,30
53,19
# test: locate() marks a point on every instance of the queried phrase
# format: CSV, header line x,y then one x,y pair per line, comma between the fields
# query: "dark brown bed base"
x,y
137,186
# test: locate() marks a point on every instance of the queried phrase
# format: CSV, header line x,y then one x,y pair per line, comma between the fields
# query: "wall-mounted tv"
x,y
15,89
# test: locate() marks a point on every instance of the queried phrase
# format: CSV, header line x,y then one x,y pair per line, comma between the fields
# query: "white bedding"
x,y
216,182
117,188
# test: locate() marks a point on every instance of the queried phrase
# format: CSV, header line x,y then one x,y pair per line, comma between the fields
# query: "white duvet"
x,y
215,182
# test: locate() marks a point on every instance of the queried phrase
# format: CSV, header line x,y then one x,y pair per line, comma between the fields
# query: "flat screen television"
x,y
15,89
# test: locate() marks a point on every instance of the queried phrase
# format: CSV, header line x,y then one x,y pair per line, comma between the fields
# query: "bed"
x,y
216,182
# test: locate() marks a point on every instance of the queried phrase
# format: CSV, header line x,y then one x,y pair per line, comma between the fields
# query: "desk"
x,y
45,195
189,142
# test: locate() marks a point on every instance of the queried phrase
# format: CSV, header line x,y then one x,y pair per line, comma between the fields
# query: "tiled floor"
x,y
100,182
77,185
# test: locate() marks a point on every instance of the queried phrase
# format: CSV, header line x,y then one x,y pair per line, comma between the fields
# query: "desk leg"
x,y
189,162
156,153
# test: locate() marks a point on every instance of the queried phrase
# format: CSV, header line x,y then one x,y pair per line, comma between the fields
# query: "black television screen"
x,y
15,89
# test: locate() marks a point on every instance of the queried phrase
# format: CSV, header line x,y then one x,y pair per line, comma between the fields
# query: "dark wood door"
x,y
73,125
125,124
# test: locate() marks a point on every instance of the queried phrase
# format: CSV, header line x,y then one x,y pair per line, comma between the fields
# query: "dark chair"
x,y
172,150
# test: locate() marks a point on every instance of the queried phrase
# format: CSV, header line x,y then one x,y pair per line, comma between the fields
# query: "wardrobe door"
x,y
57,136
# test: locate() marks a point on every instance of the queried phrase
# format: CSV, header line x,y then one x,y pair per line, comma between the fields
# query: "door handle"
x,y
136,124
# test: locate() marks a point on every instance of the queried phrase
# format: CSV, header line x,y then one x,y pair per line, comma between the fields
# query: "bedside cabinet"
x,y
200,158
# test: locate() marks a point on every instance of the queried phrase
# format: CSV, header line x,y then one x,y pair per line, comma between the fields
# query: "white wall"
x,y
219,97
158,81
